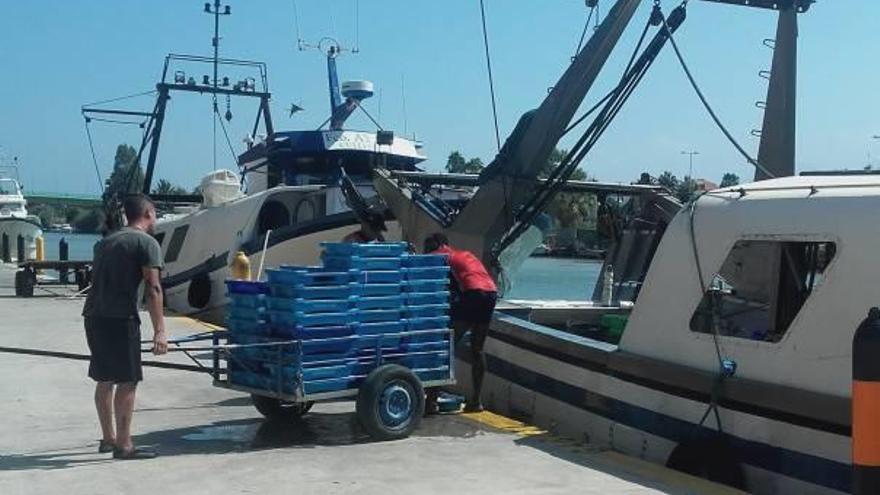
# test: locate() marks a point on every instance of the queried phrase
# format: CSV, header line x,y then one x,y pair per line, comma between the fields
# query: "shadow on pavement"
x,y
52,460
592,458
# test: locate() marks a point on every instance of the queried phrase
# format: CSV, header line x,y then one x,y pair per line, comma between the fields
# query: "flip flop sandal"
x,y
133,454
104,447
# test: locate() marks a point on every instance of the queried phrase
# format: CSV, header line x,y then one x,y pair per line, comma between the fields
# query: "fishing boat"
x,y
286,199
719,337
15,222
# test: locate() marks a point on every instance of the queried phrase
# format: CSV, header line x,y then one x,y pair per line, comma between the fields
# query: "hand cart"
x,y
385,373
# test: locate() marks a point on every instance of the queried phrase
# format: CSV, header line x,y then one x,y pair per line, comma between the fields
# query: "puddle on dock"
x,y
318,429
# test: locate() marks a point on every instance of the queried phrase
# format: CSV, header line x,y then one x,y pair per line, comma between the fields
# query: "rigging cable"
x,y
708,107
489,70
94,157
228,142
629,81
584,32
111,100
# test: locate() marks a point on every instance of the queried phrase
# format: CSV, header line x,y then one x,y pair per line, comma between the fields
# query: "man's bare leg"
x,y
123,403
104,405
479,333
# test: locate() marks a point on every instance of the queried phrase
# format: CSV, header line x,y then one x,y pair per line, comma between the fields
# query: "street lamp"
x,y
691,155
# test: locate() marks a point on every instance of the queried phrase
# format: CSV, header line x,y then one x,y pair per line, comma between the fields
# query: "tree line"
x,y
127,177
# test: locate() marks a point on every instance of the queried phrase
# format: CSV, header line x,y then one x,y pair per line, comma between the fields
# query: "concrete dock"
x,y
212,440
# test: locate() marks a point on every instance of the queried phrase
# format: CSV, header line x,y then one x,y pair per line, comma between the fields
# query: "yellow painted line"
x,y
609,459
504,423
192,322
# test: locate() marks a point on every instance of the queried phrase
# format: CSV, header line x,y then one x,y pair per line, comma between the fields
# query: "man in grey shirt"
x,y
123,260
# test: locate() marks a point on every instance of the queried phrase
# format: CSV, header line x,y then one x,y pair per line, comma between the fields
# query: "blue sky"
x,y
57,56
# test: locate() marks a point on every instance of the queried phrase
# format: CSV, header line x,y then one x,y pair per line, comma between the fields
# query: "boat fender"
x,y
241,266
199,293
41,248
711,458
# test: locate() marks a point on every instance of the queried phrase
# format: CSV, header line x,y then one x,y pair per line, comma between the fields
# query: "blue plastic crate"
x,y
421,298
291,319
249,327
429,273
250,379
430,337
426,285
323,292
372,290
426,311
424,361
379,315
245,313
359,263
379,302
380,277
311,305
380,328
414,324
246,287
369,250
423,260
310,276
284,352
247,300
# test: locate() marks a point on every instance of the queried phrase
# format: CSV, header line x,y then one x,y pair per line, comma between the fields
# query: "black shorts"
x,y
474,306
115,345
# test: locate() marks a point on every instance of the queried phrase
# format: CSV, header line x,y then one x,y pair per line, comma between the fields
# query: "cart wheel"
x,y
24,283
273,408
391,402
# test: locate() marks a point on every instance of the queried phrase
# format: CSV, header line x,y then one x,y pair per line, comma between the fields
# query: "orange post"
x,y
866,406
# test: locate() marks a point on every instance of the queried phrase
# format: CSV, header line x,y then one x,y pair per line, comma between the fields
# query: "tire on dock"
x,y
277,409
390,402
25,280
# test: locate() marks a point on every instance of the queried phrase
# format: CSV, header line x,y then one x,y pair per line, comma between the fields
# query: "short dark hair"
x,y
136,205
435,241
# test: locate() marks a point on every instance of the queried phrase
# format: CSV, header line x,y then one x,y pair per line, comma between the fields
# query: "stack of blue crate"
x,y
366,300
246,320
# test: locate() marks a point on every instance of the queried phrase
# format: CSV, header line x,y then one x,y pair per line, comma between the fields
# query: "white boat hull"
x,y
13,227
194,274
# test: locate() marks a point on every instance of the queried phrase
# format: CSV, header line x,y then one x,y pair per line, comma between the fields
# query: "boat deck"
x,y
212,440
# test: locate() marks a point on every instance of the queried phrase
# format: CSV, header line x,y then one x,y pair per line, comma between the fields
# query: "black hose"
x,y
86,357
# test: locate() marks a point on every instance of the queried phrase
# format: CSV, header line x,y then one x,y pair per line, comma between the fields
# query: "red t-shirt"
x,y
468,270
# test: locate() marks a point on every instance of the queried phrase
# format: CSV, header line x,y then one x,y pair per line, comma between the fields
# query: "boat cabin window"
x,y
273,215
761,287
8,187
176,243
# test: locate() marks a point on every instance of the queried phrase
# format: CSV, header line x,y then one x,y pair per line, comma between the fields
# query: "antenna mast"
x,y
215,11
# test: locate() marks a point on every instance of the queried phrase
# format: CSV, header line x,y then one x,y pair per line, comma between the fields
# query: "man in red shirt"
x,y
471,310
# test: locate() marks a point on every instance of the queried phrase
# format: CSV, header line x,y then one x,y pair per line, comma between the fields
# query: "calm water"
x,y
79,245
539,278
555,278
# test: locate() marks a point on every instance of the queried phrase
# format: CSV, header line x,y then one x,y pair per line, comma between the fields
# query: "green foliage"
x,y
729,179
457,164
553,161
685,190
127,176
646,180
89,221
668,181
166,187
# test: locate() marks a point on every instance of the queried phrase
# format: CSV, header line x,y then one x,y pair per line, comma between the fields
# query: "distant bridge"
x,y
62,199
